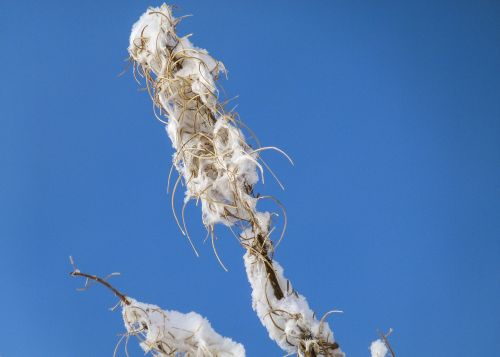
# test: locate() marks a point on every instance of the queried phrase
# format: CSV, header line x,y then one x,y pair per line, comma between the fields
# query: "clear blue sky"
x,y
391,110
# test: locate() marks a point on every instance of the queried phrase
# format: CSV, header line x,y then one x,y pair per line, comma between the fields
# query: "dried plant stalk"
x,y
220,169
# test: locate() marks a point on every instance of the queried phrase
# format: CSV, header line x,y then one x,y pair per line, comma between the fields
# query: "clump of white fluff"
x,y
289,321
152,35
211,153
171,333
378,348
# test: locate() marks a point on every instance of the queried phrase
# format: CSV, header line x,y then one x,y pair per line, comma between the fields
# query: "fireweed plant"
x,y
219,170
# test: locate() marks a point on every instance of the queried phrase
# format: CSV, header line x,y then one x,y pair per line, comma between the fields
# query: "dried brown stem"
x,y
271,273
118,294
385,339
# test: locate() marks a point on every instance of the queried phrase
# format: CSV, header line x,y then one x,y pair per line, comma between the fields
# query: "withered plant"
x,y
219,169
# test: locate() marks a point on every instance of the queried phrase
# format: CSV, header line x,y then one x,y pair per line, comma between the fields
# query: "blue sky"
x,y
390,110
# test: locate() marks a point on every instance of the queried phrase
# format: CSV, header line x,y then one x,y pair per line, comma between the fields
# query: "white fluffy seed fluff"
x,y
289,321
211,152
378,348
171,333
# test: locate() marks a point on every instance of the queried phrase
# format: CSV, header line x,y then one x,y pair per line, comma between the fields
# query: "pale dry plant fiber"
x,y
219,169
165,333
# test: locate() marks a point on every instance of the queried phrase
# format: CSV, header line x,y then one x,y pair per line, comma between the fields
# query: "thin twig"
x,y
385,339
77,272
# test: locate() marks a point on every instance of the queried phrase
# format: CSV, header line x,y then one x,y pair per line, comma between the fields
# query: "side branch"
x,y
118,294
385,339
167,333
